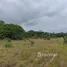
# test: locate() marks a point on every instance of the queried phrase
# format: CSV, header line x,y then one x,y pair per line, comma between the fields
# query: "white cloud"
x,y
46,15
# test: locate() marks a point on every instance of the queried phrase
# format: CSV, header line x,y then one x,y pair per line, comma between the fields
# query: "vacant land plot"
x,y
25,53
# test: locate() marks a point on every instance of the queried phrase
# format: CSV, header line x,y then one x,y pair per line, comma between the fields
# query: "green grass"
x,y
24,53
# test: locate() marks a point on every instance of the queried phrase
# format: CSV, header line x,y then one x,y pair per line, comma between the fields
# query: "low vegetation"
x,y
8,44
23,55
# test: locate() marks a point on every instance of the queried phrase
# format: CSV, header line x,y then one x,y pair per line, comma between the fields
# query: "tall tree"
x,y
2,22
12,31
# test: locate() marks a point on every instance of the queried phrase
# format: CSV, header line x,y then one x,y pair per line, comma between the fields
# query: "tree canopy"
x,y
12,31
2,22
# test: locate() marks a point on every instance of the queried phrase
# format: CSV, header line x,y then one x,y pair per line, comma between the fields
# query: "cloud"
x,y
46,15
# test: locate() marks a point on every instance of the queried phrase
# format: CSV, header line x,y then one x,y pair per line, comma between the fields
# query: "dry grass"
x,y
23,54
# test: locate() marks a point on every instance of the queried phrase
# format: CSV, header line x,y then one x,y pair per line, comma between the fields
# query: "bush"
x,y
32,42
65,39
8,45
9,40
48,38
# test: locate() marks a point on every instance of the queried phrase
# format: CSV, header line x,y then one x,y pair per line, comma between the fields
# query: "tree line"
x,y
16,32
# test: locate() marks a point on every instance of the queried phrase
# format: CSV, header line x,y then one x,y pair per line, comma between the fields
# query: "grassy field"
x,y
24,53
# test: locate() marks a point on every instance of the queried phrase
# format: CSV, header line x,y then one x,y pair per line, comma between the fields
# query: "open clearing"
x,y
24,53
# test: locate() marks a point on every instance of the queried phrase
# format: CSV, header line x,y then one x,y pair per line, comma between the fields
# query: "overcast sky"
x,y
45,15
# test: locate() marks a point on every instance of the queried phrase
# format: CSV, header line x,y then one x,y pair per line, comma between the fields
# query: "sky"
x,y
45,15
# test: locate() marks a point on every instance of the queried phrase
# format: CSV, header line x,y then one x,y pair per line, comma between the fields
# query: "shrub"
x,y
65,39
32,42
48,38
9,40
8,45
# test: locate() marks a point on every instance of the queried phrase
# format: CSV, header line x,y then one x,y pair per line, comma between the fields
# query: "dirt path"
x,y
46,65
